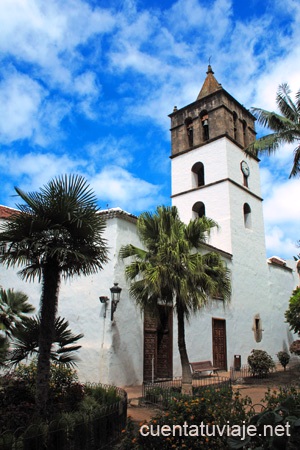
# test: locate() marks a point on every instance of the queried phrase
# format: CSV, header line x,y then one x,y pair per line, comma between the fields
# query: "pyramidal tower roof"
x,y
210,84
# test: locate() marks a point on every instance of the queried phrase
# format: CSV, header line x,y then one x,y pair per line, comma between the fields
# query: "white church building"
x,y
211,175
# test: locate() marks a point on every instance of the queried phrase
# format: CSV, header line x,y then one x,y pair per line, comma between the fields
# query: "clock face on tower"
x,y
245,168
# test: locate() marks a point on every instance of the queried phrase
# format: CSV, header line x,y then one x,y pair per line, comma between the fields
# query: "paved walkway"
x,y
137,412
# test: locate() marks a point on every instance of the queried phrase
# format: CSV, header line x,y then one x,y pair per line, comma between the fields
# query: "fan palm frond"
x,y
57,232
13,308
172,270
285,127
25,341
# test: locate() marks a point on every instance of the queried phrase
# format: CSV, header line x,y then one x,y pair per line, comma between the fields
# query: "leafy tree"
x,y
292,315
171,269
284,358
285,126
25,341
57,232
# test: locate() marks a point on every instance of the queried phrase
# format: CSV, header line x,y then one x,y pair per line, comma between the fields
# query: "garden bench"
x,y
203,366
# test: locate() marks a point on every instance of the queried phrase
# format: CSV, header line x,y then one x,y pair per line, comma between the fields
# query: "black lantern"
x,y
115,298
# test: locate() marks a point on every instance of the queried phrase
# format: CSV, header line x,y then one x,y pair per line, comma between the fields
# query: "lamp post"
x,y
115,298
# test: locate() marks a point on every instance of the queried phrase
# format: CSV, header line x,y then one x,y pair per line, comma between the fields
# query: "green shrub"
x,y
65,393
284,358
75,411
102,395
260,363
274,397
88,404
17,394
26,372
282,409
16,403
222,407
60,375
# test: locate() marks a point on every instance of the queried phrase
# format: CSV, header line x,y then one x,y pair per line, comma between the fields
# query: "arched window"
x,y
190,131
247,216
198,170
205,126
234,124
199,209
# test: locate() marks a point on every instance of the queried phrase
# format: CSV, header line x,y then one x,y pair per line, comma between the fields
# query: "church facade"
x,y
213,176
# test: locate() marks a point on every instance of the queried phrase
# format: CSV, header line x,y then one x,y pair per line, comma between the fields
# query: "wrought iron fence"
x,y
161,392
75,431
245,372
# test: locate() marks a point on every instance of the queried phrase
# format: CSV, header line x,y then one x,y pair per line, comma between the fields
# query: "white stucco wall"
x,y
255,283
281,283
277,284
223,193
111,351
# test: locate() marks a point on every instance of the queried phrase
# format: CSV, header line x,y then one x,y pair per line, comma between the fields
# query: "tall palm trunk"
x,y
186,370
50,287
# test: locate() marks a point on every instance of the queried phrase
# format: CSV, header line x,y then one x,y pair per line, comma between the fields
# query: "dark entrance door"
x,y
158,344
219,343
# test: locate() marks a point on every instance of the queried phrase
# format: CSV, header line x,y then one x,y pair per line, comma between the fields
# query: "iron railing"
x,y
161,392
245,372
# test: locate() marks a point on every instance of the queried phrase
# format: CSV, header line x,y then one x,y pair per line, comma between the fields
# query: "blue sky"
x,y
86,87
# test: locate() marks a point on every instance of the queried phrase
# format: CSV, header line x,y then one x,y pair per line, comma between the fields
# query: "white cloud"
x,y
282,203
188,16
285,70
33,170
118,187
279,244
111,150
27,112
48,33
113,184
282,214
85,84
44,39
20,102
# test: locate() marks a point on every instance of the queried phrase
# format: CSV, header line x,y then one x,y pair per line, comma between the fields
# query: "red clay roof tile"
x,y
6,212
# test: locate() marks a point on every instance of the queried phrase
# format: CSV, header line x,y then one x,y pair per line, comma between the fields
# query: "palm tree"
x,y
57,232
13,309
3,350
25,341
172,270
285,127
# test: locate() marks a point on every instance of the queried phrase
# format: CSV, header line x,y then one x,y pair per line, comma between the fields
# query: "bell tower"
x,y
211,173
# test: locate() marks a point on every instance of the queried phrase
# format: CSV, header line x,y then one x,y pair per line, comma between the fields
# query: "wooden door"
x,y
158,344
219,343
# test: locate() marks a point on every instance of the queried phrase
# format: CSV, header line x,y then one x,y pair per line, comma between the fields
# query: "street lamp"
x,y
115,298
